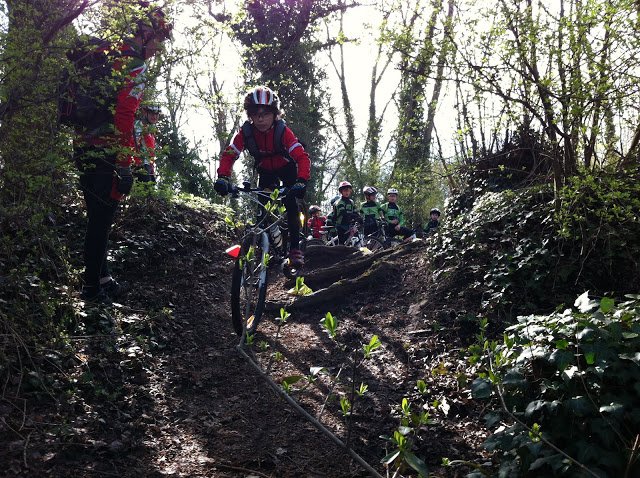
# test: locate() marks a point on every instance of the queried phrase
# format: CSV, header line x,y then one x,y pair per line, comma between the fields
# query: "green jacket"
x,y
370,211
344,211
392,211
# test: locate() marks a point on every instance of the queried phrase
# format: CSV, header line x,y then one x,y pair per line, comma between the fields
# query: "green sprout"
x,y
330,323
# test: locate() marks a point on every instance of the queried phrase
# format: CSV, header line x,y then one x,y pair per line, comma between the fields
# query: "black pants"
x,y
404,231
288,175
96,179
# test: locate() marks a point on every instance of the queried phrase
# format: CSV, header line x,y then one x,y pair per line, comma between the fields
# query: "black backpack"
x,y
251,145
88,89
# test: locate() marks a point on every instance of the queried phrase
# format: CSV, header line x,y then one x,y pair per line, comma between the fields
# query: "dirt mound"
x,y
153,386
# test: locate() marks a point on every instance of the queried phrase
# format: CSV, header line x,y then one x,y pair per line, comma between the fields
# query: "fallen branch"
x,y
337,291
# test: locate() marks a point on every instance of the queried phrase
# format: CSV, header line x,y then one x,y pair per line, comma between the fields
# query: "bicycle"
x,y
355,238
263,245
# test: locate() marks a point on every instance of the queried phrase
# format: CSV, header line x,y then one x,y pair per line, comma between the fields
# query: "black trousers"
x,y
288,175
96,179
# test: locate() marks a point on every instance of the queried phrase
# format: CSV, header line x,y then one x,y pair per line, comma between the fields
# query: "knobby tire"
x,y
248,291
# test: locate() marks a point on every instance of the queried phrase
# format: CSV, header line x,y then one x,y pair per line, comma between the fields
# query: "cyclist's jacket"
x,y
370,211
119,133
315,224
392,211
431,226
344,211
270,160
145,142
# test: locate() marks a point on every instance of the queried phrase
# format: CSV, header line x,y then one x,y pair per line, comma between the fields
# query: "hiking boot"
x,y
95,295
296,258
114,289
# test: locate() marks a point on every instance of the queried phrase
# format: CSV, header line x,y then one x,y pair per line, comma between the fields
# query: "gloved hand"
x,y
125,179
222,185
299,188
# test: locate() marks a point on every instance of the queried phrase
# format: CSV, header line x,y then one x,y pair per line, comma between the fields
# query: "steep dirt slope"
x,y
153,385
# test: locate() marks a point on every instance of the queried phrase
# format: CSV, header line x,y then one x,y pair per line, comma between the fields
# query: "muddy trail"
x,y
155,386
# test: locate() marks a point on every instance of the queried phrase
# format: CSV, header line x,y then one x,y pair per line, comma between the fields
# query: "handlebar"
x,y
246,188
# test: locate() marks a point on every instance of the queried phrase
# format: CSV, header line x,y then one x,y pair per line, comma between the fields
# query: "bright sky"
x,y
360,23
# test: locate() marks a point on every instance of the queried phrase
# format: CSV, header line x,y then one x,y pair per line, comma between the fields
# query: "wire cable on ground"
x,y
305,414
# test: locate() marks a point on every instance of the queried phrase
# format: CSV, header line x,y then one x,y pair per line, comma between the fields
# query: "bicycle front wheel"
x,y
249,284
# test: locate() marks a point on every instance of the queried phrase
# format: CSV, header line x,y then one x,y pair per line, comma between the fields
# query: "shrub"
x,y
571,380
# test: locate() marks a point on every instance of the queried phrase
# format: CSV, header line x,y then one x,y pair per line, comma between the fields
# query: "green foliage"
x,y
571,379
330,323
180,165
300,288
511,253
599,222
499,251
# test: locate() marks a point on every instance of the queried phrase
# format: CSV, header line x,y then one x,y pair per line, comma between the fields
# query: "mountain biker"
x,y
370,210
144,134
434,221
104,154
288,162
394,216
316,221
344,211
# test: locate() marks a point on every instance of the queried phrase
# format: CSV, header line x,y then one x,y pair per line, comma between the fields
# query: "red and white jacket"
x,y
265,144
120,133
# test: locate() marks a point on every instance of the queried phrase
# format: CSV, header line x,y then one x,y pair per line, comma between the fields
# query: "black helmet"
x,y
262,96
435,210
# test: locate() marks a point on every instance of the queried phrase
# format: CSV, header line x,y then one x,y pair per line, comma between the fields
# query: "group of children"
x,y
345,212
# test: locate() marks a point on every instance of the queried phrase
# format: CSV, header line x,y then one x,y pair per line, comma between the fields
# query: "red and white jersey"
x,y
271,161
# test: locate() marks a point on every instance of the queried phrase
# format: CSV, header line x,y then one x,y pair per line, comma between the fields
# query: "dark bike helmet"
x,y
344,184
369,190
313,209
261,96
435,210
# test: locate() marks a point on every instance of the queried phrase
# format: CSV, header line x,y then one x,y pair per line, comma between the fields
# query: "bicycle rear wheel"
x,y
249,285
373,244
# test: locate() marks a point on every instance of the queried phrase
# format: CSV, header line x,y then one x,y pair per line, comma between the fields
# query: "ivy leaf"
x,y
481,388
606,304
634,357
291,379
613,409
584,304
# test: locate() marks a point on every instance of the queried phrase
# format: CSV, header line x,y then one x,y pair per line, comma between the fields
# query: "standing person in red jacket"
x,y
276,158
316,221
104,154
144,131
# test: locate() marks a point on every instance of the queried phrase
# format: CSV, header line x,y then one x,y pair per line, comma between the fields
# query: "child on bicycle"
x,y
344,211
278,156
370,210
316,221
394,216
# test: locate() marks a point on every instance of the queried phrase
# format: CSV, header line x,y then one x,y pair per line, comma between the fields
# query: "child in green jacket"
x,y
394,216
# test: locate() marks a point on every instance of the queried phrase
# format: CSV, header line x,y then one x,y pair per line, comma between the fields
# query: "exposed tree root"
x,y
347,276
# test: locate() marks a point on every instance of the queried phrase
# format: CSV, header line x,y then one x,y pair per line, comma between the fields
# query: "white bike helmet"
x,y
392,191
